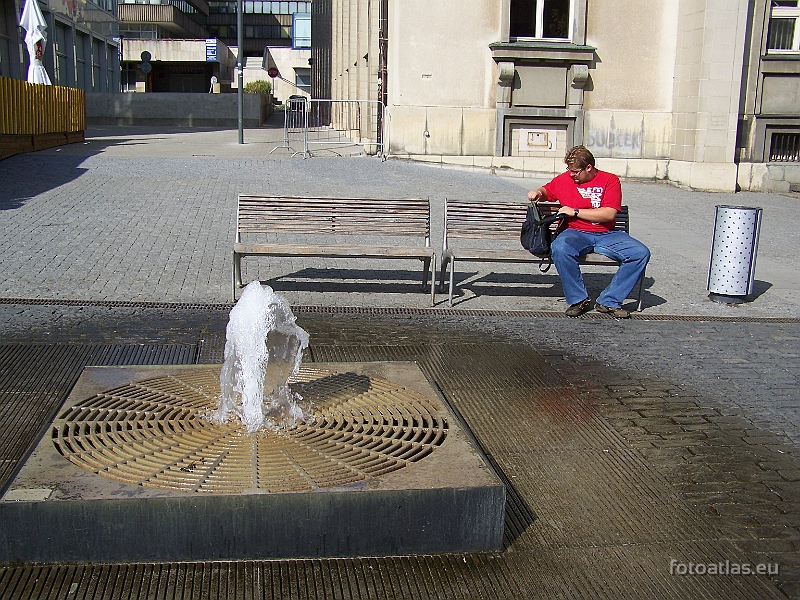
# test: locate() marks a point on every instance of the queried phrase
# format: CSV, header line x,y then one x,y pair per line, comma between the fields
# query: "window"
x,y
129,78
60,47
97,73
258,7
80,60
783,35
541,19
785,147
5,57
302,79
112,54
301,28
144,31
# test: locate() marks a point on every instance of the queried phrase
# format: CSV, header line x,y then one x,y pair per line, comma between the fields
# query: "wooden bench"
x,y
466,224
325,227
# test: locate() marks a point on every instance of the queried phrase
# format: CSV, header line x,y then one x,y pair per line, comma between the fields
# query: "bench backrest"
x,y
408,217
498,220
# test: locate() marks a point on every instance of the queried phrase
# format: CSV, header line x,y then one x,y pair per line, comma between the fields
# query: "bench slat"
x,y
340,251
320,215
498,220
500,255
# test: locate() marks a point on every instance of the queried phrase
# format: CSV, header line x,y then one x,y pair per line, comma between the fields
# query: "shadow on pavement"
x,y
350,280
25,176
759,287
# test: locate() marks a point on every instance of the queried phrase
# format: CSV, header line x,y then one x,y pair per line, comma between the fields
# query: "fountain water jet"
x,y
263,349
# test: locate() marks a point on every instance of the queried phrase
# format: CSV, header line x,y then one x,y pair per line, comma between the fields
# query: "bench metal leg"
x,y
442,271
639,296
237,273
429,269
432,264
452,268
233,278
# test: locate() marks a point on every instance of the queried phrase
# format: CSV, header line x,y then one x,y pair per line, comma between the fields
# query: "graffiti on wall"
x,y
615,141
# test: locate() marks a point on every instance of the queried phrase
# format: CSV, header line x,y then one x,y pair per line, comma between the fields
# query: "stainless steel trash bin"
x,y
733,253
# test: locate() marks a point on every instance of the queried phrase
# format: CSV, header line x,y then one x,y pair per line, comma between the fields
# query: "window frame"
x,y
539,33
785,12
298,43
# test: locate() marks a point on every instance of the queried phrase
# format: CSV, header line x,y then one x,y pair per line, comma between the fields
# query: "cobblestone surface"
x,y
135,216
747,369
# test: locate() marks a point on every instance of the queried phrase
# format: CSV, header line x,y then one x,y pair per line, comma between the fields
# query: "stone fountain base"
x,y
133,470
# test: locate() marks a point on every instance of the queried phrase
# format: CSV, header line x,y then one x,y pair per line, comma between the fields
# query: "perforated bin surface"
x,y
733,253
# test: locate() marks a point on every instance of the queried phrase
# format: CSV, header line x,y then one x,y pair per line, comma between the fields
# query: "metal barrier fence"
x,y
330,123
295,126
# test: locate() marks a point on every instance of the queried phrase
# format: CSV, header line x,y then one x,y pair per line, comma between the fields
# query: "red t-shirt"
x,y
603,190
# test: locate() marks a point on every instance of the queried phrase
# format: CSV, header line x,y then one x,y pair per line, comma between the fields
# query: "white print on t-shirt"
x,y
595,194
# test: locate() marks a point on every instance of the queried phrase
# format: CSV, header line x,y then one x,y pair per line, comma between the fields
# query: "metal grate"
x,y
395,311
160,433
784,147
36,378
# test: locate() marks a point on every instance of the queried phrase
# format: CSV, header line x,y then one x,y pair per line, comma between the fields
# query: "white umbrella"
x,y
32,21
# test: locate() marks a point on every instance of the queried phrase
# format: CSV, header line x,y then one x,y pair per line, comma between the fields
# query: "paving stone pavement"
x,y
138,216
148,216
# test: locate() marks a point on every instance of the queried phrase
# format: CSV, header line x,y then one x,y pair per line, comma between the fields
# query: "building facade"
x,y
191,41
705,93
82,43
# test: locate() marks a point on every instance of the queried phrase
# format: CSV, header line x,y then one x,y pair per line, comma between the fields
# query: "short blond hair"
x,y
578,157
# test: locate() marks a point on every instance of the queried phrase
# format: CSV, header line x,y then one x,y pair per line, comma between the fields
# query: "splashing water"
x,y
263,349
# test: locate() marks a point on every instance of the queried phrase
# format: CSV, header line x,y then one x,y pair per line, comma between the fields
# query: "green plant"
x,y
258,87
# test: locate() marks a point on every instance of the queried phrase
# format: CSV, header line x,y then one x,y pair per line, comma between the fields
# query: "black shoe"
x,y
619,313
576,310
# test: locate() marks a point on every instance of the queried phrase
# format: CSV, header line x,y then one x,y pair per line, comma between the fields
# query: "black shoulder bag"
x,y
536,235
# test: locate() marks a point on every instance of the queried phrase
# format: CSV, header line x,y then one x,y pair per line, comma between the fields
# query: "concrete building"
x,y
704,93
11,62
174,35
294,71
191,41
82,43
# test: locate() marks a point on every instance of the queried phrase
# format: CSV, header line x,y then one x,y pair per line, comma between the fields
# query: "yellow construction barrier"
x,y
34,116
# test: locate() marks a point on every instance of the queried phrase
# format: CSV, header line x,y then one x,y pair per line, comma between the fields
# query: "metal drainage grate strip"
x,y
114,303
395,311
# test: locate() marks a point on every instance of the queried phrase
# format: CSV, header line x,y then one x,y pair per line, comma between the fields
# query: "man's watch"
x,y
577,210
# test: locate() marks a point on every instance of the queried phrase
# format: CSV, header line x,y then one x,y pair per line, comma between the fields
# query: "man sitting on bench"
x,y
591,199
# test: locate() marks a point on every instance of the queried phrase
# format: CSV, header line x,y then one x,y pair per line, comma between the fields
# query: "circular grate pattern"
x,y
156,433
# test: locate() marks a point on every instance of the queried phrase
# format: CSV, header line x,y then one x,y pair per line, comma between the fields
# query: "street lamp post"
x,y
240,66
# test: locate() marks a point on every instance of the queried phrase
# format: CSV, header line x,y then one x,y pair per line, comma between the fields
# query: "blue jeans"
x,y
571,244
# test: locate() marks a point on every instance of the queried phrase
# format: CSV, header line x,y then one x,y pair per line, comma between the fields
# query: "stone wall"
x,y
174,109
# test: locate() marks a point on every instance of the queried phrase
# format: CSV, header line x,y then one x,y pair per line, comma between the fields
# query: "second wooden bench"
x,y
489,232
